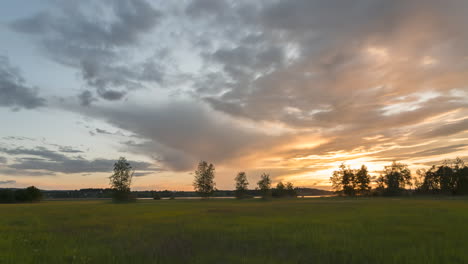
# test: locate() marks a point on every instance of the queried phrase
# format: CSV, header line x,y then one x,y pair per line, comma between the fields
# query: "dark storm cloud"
x,y
14,92
73,165
111,95
181,133
48,162
77,35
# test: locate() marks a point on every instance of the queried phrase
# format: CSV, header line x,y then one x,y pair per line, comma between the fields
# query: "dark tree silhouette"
x,y
264,185
241,185
121,180
204,179
450,178
396,177
290,190
362,178
279,191
344,181
30,194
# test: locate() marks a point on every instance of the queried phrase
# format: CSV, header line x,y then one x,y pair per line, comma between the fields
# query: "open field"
x,y
319,230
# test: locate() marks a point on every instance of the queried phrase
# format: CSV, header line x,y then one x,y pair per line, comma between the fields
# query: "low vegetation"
x,y
28,195
316,230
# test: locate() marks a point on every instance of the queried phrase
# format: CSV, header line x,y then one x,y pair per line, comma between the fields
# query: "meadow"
x,y
315,230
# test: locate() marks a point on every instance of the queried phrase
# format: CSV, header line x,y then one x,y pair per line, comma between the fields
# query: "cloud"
x,y
181,133
3,160
86,98
345,71
38,152
7,182
14,93
441,150
103,131
76,35
47,162
448,129
269,85
68,149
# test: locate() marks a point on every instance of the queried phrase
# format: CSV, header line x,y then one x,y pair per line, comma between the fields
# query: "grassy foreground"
x,y
319,230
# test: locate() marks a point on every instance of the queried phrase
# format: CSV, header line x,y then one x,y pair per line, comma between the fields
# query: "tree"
x,y
121,180
264,185
363,181
448,178
344,181
241,185
461,173
430,182
30,194
280,190
204,179
33,194
290,190
396,177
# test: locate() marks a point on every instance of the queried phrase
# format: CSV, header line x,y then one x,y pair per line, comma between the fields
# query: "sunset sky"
x,y
292,88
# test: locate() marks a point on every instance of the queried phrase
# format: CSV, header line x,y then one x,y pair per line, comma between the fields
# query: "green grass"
x,y
324,230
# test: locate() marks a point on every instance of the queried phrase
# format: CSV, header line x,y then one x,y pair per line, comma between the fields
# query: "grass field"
x,y
319,230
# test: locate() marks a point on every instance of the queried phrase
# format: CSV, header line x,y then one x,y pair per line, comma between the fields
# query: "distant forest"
x,y
93,193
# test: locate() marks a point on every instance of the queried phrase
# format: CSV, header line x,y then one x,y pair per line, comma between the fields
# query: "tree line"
x,y
205,185
449,178
30,194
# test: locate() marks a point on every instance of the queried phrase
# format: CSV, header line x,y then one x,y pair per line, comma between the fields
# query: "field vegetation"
x,y
318,230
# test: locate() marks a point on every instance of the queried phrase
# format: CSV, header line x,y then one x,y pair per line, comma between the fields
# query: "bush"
x,y
30,194
123,196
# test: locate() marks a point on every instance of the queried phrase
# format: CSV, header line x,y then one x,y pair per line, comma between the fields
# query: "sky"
x,y
292,88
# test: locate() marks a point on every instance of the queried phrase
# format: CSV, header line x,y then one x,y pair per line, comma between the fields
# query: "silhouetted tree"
x,y
344,181
461,173
290,190
121,180
33,194
30,194
264,185
396,177
430,182
279,191
362,179
241,185
448,178
204,179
